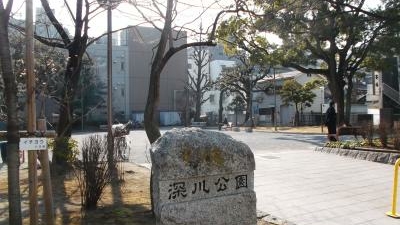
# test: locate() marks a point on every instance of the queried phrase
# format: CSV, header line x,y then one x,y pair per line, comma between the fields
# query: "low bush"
x,y
92,171
396,137
383,132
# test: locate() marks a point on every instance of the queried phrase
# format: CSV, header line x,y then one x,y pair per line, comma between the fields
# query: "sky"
x,y
190,14
125,14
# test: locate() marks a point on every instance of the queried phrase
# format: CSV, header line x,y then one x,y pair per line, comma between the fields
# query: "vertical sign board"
x,y
32,144
376,83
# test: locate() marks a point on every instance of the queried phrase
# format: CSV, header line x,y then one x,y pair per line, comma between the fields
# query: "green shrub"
x,y
71,146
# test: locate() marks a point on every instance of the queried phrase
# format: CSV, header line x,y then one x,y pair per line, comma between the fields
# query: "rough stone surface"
x,y
334,150
202,177
362,155
372,156
353,154
382,157
343,152
393,157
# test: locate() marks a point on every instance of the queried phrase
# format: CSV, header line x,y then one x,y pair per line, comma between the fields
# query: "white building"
x,y
212,105
264,104
120,77
217,62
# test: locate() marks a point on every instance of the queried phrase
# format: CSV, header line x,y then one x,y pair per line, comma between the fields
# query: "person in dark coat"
x,y
330,121
225,121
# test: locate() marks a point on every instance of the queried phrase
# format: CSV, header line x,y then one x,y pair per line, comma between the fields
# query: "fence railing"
x,y
391,93
313,119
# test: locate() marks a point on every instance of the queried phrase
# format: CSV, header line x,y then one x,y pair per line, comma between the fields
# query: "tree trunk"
x,y
62,152
150,125
14,194
296,116
336,85
152,130
236,119
220,108
198,107
248,120
198,87
348,101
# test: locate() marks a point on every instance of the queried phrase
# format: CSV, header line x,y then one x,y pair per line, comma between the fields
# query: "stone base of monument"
x,y
202,177
216,211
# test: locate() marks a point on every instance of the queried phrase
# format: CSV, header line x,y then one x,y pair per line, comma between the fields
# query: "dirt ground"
x,y
126,203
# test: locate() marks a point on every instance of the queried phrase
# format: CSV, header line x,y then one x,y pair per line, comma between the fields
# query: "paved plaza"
x,y
303,186
298,184
313,188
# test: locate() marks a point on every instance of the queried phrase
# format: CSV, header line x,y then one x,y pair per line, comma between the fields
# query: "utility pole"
x,y
110,138
31,109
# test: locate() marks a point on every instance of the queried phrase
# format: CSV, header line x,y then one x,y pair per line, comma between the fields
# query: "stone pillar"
x,y
202,177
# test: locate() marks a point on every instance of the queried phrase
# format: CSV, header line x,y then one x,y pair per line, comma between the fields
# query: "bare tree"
x,y
165,49
10,91
199,78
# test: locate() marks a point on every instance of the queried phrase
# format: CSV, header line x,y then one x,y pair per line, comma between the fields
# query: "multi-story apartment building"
x,y
133,51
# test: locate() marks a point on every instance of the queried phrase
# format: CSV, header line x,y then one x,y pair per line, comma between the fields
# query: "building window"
x,y
212,98
122,66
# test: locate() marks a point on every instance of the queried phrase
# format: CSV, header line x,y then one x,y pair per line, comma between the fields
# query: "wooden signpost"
x,y
31,143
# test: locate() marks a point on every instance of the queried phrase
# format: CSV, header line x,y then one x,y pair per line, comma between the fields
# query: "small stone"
x,y
353,153
382,157
372,156
362,155
393,157
261,214
343,152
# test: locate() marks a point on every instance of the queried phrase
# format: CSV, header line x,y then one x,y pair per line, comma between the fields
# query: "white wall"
x,y
212,105
120,73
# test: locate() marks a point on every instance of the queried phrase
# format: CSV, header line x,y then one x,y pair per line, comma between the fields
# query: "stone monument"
x,y
202,177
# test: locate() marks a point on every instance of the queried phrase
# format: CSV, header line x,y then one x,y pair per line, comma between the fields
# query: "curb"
x,y
369,155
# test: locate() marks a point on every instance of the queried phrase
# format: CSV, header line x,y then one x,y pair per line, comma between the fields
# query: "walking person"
x,y
330,121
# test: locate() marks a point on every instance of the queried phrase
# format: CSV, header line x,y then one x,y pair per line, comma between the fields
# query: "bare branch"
x,y
55,22
53,42
70,11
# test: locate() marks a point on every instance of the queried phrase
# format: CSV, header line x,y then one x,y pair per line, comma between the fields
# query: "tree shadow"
x,y
123,214
61,197
130,200
314,139
116,186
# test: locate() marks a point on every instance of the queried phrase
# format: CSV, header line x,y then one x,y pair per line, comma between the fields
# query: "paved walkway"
x,y
314,188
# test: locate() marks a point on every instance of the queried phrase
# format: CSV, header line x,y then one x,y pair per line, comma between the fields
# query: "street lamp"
x,y
109,5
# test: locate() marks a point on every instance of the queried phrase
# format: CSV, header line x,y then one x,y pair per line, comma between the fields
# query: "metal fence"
x,y
313,119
